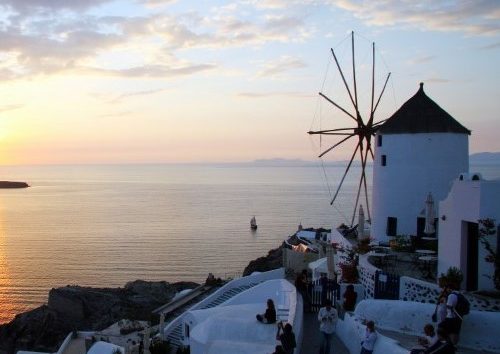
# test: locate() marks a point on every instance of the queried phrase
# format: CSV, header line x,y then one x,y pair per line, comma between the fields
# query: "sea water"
x,y
105,225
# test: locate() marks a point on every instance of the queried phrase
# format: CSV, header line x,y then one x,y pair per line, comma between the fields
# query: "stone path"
x,y
312,337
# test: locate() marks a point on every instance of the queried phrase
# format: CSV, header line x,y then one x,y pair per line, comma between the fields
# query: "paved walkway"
x,y
312,337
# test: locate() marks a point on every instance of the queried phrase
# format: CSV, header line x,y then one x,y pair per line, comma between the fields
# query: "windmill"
x,y
362,130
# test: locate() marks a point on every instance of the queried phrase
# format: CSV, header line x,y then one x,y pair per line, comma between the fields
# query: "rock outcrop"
x,y
83,308
9,184
273,260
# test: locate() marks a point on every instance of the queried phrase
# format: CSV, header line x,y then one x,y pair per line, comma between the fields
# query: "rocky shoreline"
x,y
84,308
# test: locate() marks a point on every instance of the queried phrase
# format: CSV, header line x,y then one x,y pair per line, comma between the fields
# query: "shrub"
x,y
452,279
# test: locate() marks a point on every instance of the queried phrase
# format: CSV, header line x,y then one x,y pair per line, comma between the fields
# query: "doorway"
x,y
472,256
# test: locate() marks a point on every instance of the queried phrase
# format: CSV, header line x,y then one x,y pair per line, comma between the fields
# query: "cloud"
x,y
479,17
10,107
421,60
117,98
115,114
49,42
24,6
273,94
280,66
437,80
491,46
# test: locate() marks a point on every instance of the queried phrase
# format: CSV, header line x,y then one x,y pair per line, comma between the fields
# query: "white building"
x,y
470,199
419,150
232,327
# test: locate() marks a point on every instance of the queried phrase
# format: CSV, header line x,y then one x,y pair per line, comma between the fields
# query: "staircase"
x,y
175,336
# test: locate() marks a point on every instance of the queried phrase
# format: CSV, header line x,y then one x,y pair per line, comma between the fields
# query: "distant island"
x,y
485,158
9,184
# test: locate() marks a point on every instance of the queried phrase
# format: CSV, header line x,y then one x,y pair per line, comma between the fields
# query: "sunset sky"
x,y
97,81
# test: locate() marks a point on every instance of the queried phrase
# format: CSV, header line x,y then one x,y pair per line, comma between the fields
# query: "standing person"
x,y
270,315
453,321
368,343
327,317
324,288
287,338
350,297
301,284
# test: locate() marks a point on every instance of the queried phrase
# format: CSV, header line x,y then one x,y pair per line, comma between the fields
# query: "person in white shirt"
x,y
452,323
368,342
327,317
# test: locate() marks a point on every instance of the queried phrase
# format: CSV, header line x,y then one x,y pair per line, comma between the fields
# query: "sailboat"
x,y
253,223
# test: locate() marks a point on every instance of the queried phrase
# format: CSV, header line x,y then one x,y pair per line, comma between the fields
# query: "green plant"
x,y
487,228
349,266
452,279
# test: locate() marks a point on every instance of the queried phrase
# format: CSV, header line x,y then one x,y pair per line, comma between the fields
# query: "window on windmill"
x,y
383,162
379,140
392,226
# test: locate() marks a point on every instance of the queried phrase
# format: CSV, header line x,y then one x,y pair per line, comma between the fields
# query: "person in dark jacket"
x,y
350,297
270,315
287,338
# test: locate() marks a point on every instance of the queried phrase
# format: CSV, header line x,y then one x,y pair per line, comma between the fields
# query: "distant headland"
x,y
9,184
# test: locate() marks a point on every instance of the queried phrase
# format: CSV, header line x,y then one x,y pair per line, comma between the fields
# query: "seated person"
x,y
270,315
442,345
350,297
427,341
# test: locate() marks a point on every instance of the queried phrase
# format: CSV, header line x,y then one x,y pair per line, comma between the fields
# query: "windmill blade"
x,y
373,82
359,185
364,182
343,78
380,122
328,130
381,93
337,133
345,174
354,74
336,105
371,153
337,144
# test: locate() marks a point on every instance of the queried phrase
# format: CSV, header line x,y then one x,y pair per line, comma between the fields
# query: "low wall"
x,y
411,289
479,329
351,331
367,276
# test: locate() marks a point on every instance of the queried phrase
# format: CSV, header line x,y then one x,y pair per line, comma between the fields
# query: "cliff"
x,y
84,308
273,260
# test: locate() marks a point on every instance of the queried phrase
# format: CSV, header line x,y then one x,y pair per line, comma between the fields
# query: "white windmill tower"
x,y
419,150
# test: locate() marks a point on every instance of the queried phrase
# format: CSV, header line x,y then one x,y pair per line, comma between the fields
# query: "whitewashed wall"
x,y
468,201
479,329
416,165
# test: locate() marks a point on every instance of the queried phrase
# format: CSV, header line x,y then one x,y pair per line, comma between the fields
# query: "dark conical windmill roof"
x,y
420,114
